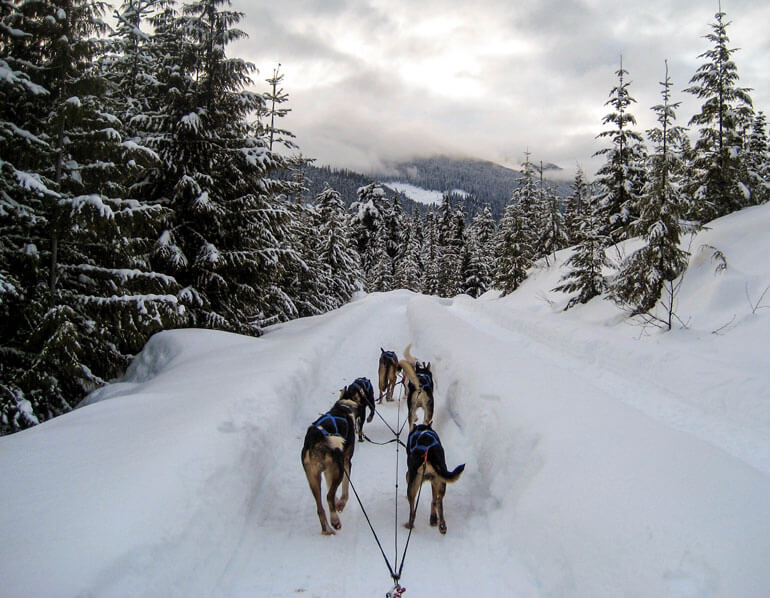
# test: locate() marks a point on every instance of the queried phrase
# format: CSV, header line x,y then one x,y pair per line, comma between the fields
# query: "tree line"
x,y
145,186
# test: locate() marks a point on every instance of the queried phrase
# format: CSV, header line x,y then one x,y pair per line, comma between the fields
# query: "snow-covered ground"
x,y
604,458
420,195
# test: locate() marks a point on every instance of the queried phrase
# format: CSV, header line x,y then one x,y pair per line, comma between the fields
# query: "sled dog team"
x,y
330,440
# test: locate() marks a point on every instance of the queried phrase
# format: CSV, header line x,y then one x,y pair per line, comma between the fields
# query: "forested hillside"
x,y
146,185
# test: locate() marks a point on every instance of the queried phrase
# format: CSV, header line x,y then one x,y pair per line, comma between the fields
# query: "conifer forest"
x,y
146,183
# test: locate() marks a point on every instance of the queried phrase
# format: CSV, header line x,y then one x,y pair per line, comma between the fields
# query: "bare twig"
x,y
718,330
758,304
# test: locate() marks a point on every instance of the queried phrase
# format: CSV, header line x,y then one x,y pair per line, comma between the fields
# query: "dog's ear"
x,y
344,391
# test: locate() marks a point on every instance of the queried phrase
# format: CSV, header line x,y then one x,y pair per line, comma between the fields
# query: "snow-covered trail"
x,y
187,481
350,563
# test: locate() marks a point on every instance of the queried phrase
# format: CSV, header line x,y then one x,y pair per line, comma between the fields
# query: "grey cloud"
x,y
358,106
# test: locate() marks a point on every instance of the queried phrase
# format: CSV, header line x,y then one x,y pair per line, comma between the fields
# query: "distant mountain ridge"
x,y
486,183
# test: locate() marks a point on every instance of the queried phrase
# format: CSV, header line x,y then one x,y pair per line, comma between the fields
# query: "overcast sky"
x,y
377,80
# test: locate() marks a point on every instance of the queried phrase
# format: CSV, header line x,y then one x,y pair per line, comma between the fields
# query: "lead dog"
x,y
419,388
426,463
362,393
328,449
388,370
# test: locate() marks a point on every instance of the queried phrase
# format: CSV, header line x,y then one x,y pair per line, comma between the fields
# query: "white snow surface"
x,y
603,458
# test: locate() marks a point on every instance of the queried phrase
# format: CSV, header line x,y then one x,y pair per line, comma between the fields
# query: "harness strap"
x,y
416,442
334,419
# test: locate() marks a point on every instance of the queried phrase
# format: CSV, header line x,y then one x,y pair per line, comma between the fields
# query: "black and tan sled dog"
x,y
328,449
361,392
426,463
419,388
388,371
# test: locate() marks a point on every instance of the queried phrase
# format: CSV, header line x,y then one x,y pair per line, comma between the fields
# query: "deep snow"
x,y
604,458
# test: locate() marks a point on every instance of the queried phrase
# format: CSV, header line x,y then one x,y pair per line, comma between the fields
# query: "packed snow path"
x,y
581,479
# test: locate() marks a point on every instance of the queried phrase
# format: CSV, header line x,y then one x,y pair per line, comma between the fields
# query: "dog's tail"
x,y
454,475
409,372
408,356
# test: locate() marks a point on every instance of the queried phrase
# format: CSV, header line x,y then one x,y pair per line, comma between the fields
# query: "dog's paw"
x,y
336,524
328,532
340,505
442,527
408,525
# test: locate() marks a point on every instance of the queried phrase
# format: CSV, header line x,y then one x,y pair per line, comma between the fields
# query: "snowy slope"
x,y
603,458
420,195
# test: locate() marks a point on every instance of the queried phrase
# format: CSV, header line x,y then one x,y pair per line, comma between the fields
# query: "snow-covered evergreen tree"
x,y
553,234
339,259
368,217
228,241
513,250
431,256
479,254
585,266
621,178
451,241
409,271
758,160
91,299
650,270
721,185
272,110
528,195
576,204
380,277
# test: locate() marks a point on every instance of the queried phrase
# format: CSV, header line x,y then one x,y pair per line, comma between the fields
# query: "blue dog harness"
x,y
422,441
329,425
390,356
365,385
426,381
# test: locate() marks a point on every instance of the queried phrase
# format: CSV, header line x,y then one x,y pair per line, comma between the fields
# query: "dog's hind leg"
x,y
343,500
333,480
313,474
412,487
437,506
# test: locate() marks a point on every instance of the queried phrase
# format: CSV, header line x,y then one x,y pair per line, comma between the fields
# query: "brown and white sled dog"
x,y
426,463
419,388
328,449
388,371
361,392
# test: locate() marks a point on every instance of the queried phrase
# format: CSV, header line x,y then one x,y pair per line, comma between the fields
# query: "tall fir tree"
x,y
91,298
576,205
513,250
650,270
585,267
409,268
368,217
480,254
341,268
228,242
431,284
721,182
621,178
272,110
759,160
553,235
